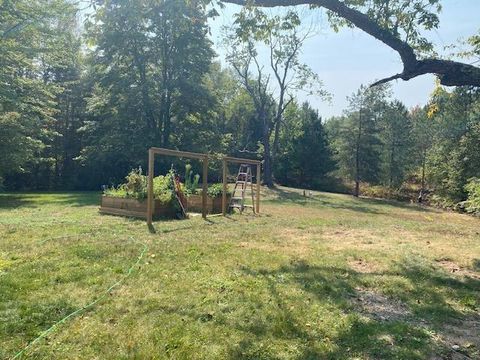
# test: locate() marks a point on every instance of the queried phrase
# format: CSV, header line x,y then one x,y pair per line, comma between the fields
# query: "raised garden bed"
x,y
214,205
134,208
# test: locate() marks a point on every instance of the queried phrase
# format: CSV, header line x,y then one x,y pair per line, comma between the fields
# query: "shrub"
x,y
472,205
383,192
442,202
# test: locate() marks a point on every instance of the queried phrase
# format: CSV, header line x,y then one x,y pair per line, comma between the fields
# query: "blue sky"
x,y
347,59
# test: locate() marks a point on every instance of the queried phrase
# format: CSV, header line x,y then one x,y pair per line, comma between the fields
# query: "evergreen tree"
x,y
395,134
305,159
357,142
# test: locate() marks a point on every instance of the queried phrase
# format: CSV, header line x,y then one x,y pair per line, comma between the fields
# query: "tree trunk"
x,y
357,156
276,141
278,120
167,121
392,156
267,160
422,190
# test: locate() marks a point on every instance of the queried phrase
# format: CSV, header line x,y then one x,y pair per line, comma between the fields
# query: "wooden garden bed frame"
x,y
228,159
181,154
204,159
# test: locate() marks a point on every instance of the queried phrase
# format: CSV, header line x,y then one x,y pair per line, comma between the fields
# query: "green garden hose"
x,y
88,306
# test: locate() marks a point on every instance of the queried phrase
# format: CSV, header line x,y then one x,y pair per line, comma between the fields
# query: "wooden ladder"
x,y
244,179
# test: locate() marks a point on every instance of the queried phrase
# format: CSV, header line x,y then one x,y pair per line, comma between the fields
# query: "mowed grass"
x,y
327,277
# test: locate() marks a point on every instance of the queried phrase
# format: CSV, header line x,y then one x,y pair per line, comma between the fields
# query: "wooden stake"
x,y
224,192
204,187
258,189
151,166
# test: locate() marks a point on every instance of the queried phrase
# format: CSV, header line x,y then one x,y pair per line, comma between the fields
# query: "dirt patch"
x,y
379,307
461,340
453,268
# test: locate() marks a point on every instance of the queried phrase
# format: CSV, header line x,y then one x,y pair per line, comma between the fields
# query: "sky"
x,y
347,59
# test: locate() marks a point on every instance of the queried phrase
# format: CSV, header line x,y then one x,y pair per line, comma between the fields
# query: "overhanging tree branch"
x,y
450,73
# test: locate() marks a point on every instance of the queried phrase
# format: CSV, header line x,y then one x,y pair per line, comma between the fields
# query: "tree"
x,y
453,157
357,143
395,134
423,133
280,34
147,70
305,158
387,21
34,39
235,113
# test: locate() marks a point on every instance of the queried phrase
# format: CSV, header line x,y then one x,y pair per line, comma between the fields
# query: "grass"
x,y
328,277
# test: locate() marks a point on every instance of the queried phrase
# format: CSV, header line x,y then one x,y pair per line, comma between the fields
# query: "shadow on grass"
x,y
476,264
364,336
33,200
187,225
365,205
272,319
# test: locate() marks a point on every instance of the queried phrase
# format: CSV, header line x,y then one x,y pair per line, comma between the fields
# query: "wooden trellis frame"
x,y
229,159
181,154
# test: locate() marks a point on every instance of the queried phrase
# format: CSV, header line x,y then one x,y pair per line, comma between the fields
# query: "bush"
x,y
472,205
442,202
403,193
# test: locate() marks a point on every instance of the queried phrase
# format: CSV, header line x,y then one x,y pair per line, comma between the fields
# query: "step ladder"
x,y
244,179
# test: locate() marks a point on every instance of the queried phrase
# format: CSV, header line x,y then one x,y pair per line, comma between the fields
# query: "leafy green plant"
x,y
136,184
135,187
216,190
163,188
472,205
191,182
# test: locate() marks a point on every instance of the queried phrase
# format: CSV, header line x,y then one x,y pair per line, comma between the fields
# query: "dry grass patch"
x,y
363,267
454,268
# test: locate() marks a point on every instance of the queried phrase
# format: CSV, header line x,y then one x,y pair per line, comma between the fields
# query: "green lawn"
x,y
329,277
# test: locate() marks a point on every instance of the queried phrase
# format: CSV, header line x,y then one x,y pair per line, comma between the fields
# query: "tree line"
x,y
79,108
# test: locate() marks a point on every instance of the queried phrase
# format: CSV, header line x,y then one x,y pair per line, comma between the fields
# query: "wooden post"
x,y
204,187
258,190
224,192
151,166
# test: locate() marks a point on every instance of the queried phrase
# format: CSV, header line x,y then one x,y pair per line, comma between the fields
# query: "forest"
x,y
87,87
